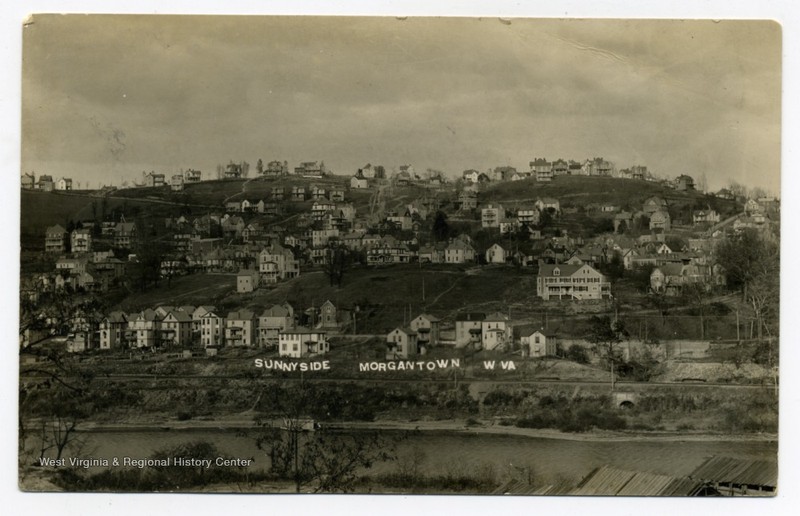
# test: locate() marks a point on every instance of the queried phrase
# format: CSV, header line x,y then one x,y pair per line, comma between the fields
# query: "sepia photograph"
x,y
399,255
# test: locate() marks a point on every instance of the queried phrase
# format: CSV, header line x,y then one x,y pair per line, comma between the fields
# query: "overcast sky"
x,y
106,97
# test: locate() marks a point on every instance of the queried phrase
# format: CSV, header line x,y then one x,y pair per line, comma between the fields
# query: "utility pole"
x,y
737,326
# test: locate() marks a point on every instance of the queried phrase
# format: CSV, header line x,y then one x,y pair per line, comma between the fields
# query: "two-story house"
x,y
301,342
401,344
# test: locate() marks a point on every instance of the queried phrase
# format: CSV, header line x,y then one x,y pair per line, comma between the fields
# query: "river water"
x,y
549,460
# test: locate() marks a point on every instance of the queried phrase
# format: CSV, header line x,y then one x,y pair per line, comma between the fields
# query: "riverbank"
x,y
484,427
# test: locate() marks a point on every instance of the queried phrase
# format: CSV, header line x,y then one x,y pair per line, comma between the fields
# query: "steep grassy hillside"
x,y
386,292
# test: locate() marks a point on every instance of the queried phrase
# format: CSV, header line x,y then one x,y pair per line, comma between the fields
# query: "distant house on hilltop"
x,y
64,184
311,169
358,182
276,168
154,180
28,181
176,183
192,176
684,183
542,170
46,183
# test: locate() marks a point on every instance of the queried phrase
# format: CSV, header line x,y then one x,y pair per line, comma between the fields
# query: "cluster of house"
x,y
270,204
494,331
177,181
182,327
83,268
543,170
278,327
45,183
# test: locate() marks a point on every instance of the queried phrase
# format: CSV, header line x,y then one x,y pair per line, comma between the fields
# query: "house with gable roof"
x,y
277,263
28,181
496,254
539,343
654,204
176,329
468,329
46,183
112,330
401,344
427,328
64,184
145,326
496,332
212,329
273,321
459,251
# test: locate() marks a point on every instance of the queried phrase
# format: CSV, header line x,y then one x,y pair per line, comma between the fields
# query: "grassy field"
x,y
198,289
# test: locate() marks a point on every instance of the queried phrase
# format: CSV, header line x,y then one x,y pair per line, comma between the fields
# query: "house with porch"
x,y
112,330
192,176
426,327
496,332
272,322
240,329
81,240
55,240
301,342
176,329
539,343
468,329
401,344
145,326
572,282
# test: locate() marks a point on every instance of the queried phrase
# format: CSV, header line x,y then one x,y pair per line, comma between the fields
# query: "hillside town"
x,y
401,255
286,231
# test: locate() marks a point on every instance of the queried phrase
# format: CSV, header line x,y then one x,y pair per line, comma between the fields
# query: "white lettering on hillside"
x,y
507,365
408,365
283,365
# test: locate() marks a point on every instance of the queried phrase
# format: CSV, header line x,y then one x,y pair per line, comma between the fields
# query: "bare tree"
x,y
310,455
